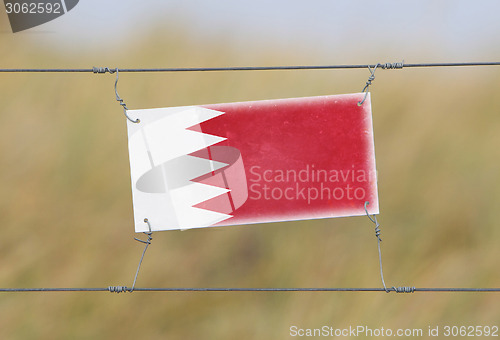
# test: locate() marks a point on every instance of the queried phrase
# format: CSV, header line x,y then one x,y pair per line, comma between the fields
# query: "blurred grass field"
x,y
66,209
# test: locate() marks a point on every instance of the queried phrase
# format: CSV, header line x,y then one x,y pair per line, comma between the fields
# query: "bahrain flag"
x,y
252,162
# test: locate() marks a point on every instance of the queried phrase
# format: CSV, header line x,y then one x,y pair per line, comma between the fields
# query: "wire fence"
x,y
371,67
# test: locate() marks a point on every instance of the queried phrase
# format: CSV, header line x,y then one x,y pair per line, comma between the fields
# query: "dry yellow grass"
x,y
66,211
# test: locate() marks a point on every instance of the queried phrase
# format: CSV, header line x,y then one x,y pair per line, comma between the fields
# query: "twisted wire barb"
x,y
117,289
392,66
102,70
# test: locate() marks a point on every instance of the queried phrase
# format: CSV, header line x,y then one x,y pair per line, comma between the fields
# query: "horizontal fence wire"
x,y
247,68
120,289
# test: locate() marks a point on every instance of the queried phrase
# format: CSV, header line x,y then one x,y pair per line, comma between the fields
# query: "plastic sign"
x,y
252,162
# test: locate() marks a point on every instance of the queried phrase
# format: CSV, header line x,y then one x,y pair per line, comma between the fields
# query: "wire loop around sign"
x,y
368,83
118,99
385,66
147,242
377,234
122,289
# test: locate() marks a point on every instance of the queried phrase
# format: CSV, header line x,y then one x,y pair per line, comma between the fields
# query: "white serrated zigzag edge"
x,y
166,138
